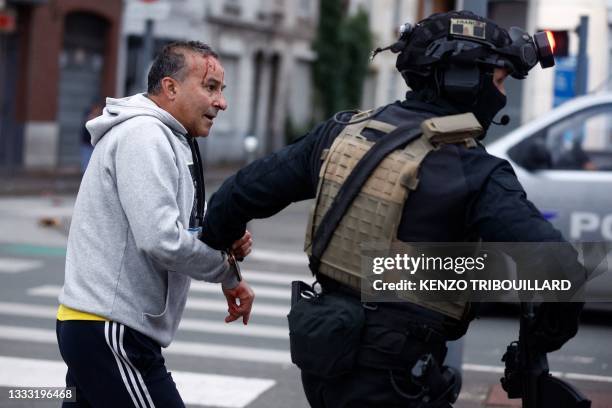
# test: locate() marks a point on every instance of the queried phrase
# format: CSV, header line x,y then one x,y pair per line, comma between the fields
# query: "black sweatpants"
x,y
114,366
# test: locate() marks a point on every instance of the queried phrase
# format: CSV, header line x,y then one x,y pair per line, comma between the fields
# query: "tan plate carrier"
x,y
375,214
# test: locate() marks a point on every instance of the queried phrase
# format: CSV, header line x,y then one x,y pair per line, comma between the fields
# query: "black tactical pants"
x,y
394,338
363,388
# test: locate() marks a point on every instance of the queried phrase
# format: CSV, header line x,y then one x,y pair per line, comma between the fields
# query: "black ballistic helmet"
x,y
451,53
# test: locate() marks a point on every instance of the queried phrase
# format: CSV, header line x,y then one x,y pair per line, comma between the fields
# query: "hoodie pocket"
x,y
151,316
176,296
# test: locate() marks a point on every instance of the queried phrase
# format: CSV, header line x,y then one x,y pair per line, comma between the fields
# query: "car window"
x,y
582,141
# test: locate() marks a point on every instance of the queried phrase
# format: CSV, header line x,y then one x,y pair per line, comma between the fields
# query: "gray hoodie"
x,y
130,255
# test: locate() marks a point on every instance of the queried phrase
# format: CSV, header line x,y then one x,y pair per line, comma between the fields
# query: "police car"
x,y
564,162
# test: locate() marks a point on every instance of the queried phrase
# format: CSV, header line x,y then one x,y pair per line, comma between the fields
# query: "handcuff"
x,y
233,262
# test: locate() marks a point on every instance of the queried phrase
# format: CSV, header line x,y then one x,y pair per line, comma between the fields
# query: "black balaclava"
x,y
487,102
490,101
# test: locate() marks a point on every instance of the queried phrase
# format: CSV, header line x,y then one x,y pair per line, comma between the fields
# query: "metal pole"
x,y
2,102
7,160
582,67
145,56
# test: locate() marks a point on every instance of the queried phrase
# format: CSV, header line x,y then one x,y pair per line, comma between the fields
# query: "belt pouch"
x,y
325,334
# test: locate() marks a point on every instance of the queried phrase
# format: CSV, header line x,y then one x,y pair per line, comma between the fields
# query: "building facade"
x,y
265,48
384,83
63,55
60,58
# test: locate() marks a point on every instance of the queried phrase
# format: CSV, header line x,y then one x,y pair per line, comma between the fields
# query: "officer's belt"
x,y
395,334
395,339
401,313
422,323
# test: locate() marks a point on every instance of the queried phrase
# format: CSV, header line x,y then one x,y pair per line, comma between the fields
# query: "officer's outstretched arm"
x,y
264,187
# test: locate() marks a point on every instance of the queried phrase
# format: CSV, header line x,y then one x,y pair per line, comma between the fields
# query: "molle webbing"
x,y
375,213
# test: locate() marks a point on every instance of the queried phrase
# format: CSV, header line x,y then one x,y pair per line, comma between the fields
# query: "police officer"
x,y
454,63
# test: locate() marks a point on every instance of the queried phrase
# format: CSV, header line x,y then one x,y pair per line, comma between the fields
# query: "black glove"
x,y
555,325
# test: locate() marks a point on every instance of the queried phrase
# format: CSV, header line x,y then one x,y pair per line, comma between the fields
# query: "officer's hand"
x,y
556,324
242,247
239,302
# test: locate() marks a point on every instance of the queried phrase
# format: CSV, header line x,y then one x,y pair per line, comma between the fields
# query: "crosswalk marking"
x,y
185,348
239,353
187,324
259,308
28,334
570,376
14,265
219,390
28,310
290,258
260,291
195,388
236,329
275,277
587,377
45,291
213,305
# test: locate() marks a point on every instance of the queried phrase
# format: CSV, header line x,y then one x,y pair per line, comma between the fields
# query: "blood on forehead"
x,y
207,66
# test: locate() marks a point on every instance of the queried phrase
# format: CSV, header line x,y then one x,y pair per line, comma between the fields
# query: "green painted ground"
x,y
32,250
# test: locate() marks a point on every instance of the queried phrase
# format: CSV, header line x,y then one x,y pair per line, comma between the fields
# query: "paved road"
x,y
219,365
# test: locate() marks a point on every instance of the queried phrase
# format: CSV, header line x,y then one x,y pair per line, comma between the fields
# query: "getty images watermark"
x,y
459,265
496,272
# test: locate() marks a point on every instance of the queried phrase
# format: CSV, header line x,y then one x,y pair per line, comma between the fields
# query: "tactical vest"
x,y
375,214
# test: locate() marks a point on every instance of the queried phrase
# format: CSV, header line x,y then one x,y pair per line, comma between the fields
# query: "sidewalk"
x,y
68,181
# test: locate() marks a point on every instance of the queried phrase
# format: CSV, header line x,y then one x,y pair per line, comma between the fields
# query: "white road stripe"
x,y
187,324
13,265
560,374
195,388
260,291
45,291
482,368
289,258
235,329
221,351
213,305
28,310
571,359
239,353
220,390
259,308
587,377
27,334
281,278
